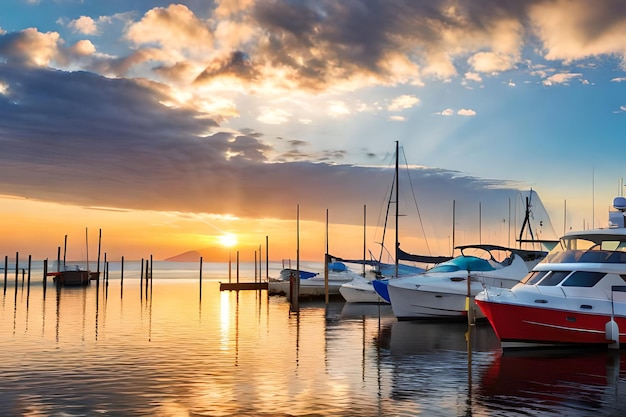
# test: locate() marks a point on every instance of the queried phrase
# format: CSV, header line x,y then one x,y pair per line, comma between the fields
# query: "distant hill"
x,y
189,256
215,254
212,254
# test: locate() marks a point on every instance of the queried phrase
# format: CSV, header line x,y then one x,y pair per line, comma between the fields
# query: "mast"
x,y
397,212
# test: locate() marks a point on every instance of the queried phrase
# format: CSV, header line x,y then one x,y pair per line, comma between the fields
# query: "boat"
x,y
76,276
374,290
445,290
575,297
312,284
360,290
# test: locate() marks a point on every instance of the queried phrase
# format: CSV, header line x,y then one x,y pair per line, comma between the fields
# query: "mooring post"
x,y
237,267
122,278
45,276
17,268
201,278
29,266
141,280
6,260
147,277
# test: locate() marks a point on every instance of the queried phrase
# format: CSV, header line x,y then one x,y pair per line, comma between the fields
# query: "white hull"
x,y
360,290
313,287
414,304
440,294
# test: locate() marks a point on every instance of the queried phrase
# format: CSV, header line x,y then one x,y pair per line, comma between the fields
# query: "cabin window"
x,y
583,279
554,278
533,277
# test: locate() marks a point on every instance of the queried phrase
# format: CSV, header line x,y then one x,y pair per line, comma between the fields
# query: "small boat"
x,y
374,290
447,289
312,283
575,296
71,277
360,290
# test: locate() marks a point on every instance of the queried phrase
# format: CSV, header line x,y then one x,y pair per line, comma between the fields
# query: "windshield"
x,y
592,248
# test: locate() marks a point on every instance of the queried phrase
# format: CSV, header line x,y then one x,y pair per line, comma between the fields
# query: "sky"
x,y
168,127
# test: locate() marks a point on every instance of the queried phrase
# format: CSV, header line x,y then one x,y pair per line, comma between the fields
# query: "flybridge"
x,y
616,218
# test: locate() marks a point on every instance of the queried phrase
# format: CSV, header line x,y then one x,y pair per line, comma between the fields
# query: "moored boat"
x,y
575,296
71,277
443,292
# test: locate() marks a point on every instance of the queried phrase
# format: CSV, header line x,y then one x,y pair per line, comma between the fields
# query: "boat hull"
x,y
412,304
71,277
359,290
519,326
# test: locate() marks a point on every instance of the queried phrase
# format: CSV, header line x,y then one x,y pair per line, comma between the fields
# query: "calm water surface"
x,y
108,350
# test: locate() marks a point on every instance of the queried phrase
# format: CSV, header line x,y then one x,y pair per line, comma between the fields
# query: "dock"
x,y
236,286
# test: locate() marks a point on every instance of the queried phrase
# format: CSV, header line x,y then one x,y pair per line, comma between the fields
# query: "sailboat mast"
x,y
397,210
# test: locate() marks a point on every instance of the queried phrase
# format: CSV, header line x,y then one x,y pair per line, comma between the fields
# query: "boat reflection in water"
x,y
553,382
432,365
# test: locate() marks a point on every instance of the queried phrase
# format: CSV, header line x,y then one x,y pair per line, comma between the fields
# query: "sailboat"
x,y
363,290
73,275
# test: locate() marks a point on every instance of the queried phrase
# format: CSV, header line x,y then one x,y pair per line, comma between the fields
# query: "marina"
x,y
167,351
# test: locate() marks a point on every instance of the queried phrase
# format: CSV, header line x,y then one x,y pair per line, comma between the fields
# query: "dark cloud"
x,y
83,139
237,64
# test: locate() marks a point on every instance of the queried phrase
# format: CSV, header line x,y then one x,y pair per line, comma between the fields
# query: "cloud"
x,y
29,47
273,116
490,62
447,112
110,143
561,78
175,29
403,102
473,76
337,108
587,29
466,112
84,25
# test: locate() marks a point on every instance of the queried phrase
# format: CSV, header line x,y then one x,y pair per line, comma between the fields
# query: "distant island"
x,y
189,256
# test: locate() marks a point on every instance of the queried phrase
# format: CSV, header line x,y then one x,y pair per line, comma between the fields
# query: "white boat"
x,y
313,283
360,290
575,296
373,290
444,291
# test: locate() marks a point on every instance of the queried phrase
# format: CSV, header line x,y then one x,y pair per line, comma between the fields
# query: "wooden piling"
x,y
45,276
141,280
6,260
29,269
122,278
201,278
17,268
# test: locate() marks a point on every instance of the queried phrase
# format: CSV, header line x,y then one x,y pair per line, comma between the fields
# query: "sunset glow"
x,y
228,240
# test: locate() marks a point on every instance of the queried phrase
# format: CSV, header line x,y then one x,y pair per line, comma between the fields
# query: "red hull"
x,y
517,323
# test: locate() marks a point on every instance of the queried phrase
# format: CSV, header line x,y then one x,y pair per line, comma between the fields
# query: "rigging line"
x,y
419,216
382,242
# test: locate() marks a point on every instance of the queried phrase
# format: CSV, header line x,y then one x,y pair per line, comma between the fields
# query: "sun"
x,y
228,240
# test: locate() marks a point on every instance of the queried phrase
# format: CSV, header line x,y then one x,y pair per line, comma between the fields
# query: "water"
x,y
99,350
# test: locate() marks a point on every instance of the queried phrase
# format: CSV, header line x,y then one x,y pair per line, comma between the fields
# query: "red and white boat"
x,y
575,296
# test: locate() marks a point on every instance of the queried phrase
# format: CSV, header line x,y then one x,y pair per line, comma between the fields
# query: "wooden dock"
x,y
236,286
